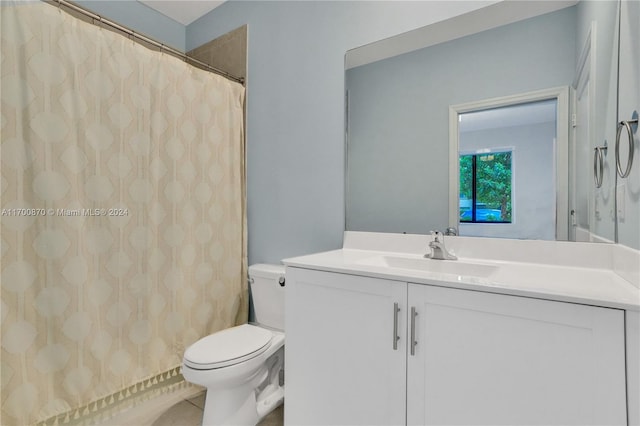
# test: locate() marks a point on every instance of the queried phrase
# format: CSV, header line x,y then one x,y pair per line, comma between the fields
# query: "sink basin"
x,y
449,267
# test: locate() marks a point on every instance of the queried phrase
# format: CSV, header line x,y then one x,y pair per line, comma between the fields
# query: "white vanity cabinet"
x,y
478,358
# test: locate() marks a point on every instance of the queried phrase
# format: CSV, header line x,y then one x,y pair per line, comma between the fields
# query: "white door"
x,y
341,367
485,358
633,366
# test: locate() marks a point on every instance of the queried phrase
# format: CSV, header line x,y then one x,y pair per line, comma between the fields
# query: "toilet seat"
x,y
227,347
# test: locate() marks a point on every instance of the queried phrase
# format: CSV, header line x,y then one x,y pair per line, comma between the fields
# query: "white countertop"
x,y
595,286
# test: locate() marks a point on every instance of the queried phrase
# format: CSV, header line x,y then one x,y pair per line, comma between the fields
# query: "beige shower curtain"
x,y
123,214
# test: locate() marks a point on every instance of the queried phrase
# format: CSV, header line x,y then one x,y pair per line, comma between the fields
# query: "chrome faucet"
x,y
438,250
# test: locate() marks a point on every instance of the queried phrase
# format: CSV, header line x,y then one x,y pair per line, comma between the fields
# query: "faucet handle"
x,y
436,235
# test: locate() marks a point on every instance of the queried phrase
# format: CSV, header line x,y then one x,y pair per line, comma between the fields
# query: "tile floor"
x,y
181,408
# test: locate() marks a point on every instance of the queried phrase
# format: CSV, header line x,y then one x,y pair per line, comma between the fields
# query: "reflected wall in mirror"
x,y
397,142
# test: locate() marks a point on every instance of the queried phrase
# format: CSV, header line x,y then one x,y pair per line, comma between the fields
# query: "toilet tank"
x,y
267,294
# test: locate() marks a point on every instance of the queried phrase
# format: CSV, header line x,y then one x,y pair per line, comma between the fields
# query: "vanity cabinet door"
x,y
633,366
341,367
484,358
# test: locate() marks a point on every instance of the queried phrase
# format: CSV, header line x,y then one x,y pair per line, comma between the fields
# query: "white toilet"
x,y
241,366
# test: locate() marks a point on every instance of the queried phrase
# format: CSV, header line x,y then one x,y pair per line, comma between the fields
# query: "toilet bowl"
x,y
241,367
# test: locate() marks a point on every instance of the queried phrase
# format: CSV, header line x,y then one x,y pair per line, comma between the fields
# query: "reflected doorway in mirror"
x,y
512,156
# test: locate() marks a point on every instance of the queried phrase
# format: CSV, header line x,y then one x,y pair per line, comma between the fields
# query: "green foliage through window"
x,y
485,187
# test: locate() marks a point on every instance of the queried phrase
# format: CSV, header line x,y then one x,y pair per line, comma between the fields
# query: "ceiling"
x,y
183,11
514,115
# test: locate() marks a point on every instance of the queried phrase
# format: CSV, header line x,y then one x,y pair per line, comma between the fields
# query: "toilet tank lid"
x,y
265,270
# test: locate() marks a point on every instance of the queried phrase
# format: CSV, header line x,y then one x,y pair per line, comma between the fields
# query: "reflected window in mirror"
x,y
486,187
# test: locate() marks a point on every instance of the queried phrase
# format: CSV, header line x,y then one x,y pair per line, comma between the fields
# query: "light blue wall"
x,y
295,120
399,114
139,17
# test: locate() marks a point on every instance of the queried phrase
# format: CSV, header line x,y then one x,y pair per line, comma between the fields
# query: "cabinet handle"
x,y
414,314
396,310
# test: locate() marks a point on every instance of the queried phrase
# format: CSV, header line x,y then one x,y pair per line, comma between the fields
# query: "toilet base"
x,y
221,408
269,402
246,403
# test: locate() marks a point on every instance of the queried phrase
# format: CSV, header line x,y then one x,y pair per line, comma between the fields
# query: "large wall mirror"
x,y
400,93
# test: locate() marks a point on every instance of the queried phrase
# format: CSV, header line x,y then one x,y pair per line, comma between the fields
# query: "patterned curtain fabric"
x,y
123,212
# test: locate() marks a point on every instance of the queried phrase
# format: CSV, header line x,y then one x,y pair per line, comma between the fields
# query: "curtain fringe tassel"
x,y
148,388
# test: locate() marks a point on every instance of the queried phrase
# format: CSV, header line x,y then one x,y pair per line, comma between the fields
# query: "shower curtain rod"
x,y
163,47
